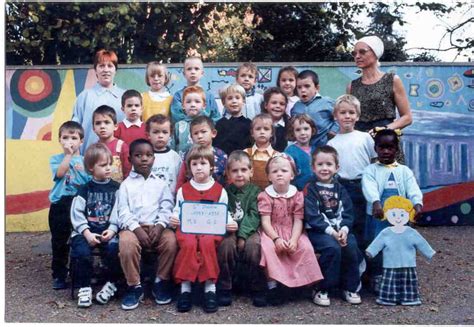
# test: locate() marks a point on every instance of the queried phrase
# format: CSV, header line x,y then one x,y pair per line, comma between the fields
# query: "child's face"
x,y
288,83
70,140
325,167
193,104
303,132
102,169
397,216
246,79
133,109
280,173
202,134
193,71
159,135
105,72
239,172
104,127
276,106
142,159
306,88
386,149
262,131
346,116
157,81
234,102
200,169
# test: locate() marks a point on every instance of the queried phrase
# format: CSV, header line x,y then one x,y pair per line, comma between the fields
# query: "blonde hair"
x,y
349,99
229,89
248,66
198,58
399,202
94,153
155,68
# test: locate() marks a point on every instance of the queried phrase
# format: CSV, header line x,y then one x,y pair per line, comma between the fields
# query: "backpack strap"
x,y
118,146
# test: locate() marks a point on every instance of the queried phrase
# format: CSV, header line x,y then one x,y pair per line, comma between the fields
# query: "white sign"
x,y
203,218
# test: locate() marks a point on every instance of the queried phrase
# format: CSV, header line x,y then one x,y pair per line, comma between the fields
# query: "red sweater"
x,y
128,135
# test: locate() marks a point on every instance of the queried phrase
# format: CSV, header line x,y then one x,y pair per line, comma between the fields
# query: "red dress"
x,y
197,254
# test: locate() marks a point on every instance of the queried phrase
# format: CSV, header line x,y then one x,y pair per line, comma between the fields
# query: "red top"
x,y
212,195
130,134
124,154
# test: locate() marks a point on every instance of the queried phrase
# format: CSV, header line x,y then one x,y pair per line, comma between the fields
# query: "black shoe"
x,y
224,297
210,302
162,292
274,296
184,303
259,299
59,283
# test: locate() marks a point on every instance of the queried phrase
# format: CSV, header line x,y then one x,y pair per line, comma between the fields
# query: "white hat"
x,y
375,43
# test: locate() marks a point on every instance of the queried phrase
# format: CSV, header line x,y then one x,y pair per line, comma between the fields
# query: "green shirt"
x,y
243,206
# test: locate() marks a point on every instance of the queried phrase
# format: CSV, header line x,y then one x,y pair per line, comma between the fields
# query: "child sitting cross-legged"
x,y
93,226
197,258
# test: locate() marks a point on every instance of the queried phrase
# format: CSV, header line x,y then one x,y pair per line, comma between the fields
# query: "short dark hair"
x,y
131,94
94,153
201,119
268,94
386,132
71,126
158,119
106,111
309,73
289,69
197,152
137,143
325,149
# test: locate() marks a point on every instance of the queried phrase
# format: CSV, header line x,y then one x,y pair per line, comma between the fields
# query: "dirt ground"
x,y
446,286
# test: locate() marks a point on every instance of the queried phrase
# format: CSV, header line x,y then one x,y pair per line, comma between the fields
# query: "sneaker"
x,y
184,303
59,283
224,297
132,298
352,297
162,292
84,297
259,299
210,302
321,298
274,296
106,293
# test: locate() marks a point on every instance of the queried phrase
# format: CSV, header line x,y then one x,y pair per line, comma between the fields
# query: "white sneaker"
x,y
352,297
84,297
106,293
321,298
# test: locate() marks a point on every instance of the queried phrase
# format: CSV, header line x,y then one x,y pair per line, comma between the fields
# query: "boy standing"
x,y
144,207
132,127
247,77
193,72
319,108
68,175
233,130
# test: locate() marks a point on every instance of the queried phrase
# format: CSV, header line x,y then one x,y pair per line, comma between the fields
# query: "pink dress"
x,y
301,268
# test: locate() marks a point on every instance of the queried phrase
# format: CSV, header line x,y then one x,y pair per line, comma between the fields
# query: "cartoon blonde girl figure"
x,y
398,244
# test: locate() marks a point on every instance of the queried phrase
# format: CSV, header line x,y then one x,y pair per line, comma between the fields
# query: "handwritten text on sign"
x,y
203,218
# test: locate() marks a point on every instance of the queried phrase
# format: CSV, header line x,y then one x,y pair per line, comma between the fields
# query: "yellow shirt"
x,y
152,107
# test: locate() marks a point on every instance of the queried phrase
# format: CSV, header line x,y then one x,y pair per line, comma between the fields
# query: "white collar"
x,y
271,191
128,123
202,186
134,174
281,122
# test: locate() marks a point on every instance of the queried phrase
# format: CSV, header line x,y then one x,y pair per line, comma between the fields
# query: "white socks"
x,y
209,286
186,287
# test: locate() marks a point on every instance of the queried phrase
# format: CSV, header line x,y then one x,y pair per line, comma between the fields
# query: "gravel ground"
x,y
446,286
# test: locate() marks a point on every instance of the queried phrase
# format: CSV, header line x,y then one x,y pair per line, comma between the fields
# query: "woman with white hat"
x,y
381,94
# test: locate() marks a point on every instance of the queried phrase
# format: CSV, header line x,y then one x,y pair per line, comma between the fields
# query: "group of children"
x,y
272,159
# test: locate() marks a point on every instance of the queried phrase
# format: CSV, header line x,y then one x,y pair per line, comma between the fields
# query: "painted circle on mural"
x,y
35,90
465,208
434,88
454,219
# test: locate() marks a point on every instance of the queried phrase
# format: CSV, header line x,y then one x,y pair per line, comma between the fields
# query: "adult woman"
x,y
104,92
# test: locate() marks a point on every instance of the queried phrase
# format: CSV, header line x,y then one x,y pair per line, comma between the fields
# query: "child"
x,y
197,259
286,81
246,76
94,227
399,244
274,103
193,72
203,132
262,132
287,255
104,122
328,220
301,129
381,180
319,108
194,102
233,130
355,149
157,100
132,127
68,175
144,206
167,162
245,244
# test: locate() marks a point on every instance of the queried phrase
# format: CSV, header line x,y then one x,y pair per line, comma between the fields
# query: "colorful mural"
x,y
439,145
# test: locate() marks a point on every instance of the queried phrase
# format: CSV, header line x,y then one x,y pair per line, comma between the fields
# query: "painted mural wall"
x,y
439,145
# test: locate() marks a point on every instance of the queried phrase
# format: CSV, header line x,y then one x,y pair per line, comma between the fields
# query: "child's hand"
x,y
155,234
232,227
240,244
291,246
342,238
335,235
69,149
93,239
330,135
418,211
377,210
280,245
143,237
174,221
107,235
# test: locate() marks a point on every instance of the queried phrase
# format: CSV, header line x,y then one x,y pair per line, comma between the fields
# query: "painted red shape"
x,y
47,137
47,83
26,202
447,196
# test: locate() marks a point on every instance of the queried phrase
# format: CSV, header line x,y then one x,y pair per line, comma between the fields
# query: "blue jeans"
x,y
339,265
81,252
359,205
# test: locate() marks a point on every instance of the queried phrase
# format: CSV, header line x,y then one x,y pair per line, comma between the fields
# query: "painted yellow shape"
x,y
29,222
34,85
